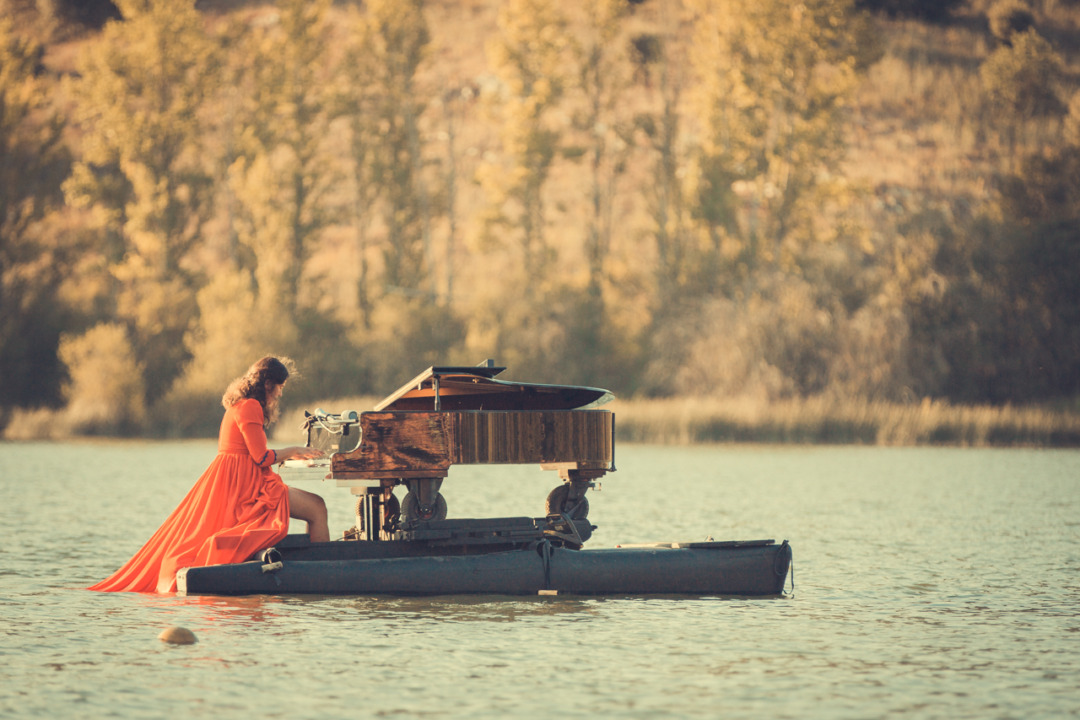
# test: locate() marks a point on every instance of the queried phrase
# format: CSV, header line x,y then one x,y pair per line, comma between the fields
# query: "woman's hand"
x,y
299,452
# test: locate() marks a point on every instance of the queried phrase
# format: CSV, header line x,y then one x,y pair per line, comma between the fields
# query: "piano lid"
x,y
459,388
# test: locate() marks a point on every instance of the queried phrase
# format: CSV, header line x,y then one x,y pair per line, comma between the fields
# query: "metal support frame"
x,y
426,491
371,515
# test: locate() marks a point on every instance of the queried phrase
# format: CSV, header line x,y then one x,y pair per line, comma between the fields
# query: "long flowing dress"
x,y
238,507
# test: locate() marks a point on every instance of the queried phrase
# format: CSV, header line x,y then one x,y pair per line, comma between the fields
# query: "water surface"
x,y
929,582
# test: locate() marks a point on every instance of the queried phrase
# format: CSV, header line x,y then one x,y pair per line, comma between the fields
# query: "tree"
x,y
607,132
105,394
519,317
393,39
284,171
774,84
33,163
142,171
1022,79
665,339
1008,17
529,56
405,319
932,10
603,83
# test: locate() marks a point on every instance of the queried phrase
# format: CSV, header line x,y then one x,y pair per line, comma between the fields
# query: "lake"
x,y
928,582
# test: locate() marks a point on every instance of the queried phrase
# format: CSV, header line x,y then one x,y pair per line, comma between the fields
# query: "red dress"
x,y
238,507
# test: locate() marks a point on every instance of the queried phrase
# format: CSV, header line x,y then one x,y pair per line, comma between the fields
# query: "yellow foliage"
x,y
1022,79
231,334
106,388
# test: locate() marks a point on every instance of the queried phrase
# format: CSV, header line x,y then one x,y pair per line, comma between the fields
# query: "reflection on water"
x,y
930,583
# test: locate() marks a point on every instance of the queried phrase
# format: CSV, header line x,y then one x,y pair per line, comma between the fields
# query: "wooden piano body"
x,y
453,415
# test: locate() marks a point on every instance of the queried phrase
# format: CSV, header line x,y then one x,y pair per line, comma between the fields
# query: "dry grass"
x,y
832,421
690,421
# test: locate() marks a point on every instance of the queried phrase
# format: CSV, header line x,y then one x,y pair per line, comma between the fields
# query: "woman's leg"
x,y
311,508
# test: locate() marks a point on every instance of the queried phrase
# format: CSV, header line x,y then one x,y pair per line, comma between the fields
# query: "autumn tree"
x,y
665,339
105,391
1022,81
405,320
667,199
357,104
766,110
603,83
392,40
142,172
1036,270
33,163
774,84
529,55
930,10
285,167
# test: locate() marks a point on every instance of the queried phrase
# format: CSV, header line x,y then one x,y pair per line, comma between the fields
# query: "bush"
x,y
106,394
932,10
1008,18
1023,79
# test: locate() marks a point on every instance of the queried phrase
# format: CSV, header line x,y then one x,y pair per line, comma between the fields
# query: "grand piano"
x,y
463,415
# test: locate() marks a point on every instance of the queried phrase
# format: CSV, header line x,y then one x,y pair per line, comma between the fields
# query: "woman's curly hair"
x,y
252,384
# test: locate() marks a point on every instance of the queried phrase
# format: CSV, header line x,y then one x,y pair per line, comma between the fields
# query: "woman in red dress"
x,y
239,506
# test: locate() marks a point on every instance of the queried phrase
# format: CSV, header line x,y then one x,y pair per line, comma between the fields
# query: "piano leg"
x,y
423,501
569,499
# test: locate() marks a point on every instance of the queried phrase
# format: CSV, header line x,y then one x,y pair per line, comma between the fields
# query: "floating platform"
x,y
508,556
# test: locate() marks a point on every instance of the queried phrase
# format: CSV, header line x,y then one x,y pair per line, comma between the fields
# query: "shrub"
x,y
1008,18
1023,79
106,393
932,10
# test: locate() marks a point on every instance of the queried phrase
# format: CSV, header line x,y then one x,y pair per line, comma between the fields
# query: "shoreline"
x,y
822,421
813,421
711,421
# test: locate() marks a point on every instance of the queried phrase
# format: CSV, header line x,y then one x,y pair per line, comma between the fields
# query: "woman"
x,y
239,506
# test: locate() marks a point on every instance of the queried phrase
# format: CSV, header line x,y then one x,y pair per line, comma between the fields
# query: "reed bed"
x,y
690,421
820,420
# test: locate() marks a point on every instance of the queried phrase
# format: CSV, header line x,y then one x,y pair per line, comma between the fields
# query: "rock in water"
x,y
177,636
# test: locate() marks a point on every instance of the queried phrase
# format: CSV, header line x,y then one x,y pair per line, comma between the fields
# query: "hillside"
x,y
877,209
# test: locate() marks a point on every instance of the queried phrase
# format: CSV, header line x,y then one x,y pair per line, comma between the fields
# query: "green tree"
x,y
33,163
142,172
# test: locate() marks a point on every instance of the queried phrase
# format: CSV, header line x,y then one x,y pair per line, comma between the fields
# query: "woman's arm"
x,y
250,419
